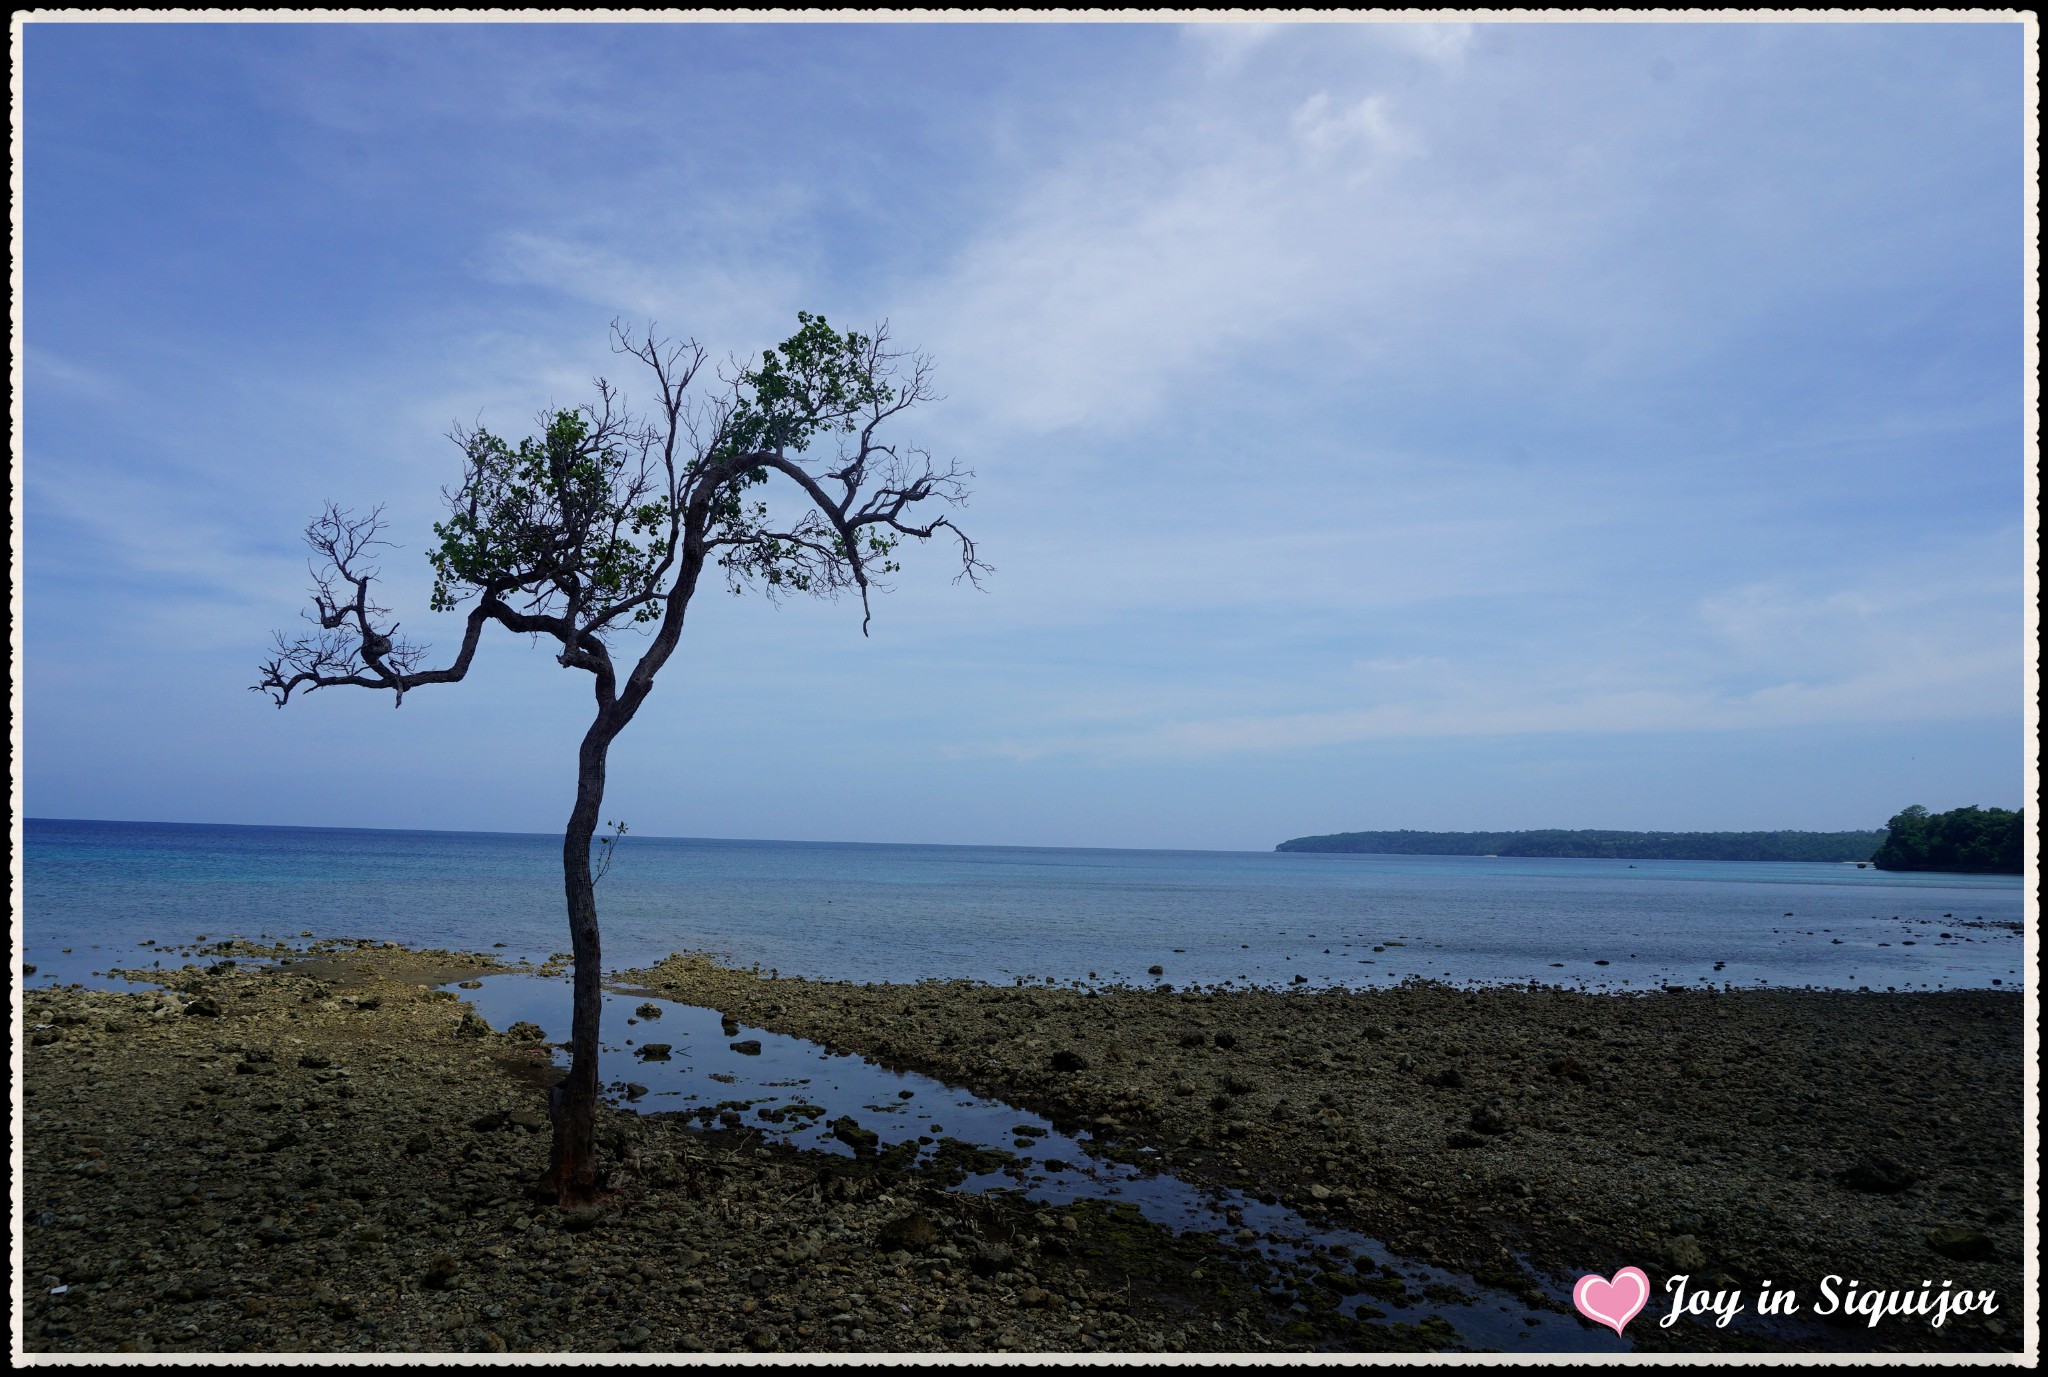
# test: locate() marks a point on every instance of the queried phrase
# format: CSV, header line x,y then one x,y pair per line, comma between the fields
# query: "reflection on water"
x,y
703,1075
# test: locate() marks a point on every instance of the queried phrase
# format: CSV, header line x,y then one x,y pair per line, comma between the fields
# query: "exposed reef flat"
x,y
333,1156
1736,1137
319,1151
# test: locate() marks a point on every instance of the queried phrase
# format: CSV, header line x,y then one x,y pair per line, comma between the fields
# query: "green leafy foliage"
x,y
605,519
1983,840
558,513
816,382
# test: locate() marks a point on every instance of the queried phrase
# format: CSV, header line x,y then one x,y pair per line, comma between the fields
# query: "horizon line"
x,y
1009,846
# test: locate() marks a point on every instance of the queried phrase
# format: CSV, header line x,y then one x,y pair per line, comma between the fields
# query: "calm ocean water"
x,y
878,912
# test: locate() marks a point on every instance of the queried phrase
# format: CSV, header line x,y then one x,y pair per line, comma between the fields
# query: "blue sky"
x,y
1375,425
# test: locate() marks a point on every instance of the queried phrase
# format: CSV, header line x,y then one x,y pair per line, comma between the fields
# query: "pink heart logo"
x,y
1612,1303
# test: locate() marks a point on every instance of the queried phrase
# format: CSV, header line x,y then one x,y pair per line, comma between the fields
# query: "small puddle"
x,y
792,1091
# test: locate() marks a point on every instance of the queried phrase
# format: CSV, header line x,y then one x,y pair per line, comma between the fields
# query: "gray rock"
x,y
991,1258
1686,1255
268,1230
1878,1174
911,1232
1961,1242
1569,1068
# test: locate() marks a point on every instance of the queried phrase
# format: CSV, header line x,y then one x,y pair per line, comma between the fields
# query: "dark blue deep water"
x,y
899,913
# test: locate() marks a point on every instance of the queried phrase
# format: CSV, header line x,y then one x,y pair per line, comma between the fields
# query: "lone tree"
x,y
601,526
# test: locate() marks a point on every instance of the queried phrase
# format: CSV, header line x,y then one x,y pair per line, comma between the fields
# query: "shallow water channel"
x,y
792,1090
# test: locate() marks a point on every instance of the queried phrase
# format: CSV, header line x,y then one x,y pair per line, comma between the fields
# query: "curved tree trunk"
x,y
571,1177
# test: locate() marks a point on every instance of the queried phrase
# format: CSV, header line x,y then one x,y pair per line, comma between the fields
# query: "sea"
x,y
95,892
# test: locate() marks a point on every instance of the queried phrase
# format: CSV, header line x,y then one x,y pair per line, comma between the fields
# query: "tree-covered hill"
x,y
1630,846
1983,840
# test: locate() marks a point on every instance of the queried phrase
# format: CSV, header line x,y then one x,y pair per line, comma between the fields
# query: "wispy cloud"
x,y
71,380
1930,639
1329,128
1977,684
1226,225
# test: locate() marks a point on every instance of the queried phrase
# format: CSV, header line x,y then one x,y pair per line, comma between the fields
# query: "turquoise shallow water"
x,y
877,912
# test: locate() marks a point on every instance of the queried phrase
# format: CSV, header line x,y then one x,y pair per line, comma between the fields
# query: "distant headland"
x,y
1969,840
1600,845
1984,841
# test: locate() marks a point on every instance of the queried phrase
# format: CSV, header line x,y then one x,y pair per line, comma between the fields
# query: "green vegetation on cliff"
x,y
1985,840
1619,846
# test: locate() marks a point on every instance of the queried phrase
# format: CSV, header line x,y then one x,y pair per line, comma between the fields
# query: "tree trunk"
x,y
572,1178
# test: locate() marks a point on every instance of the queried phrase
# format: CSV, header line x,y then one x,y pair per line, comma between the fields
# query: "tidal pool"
x,y
705,1075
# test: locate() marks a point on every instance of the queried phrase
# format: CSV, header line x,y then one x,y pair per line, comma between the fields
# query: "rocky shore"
x,y
333,1156
1735,1137
313,1151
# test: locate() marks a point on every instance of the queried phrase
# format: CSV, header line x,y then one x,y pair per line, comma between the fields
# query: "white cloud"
x,y
717,298
1930,637
1129,271
1226,43
1443,44
1328,128
1977,684
1243,220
